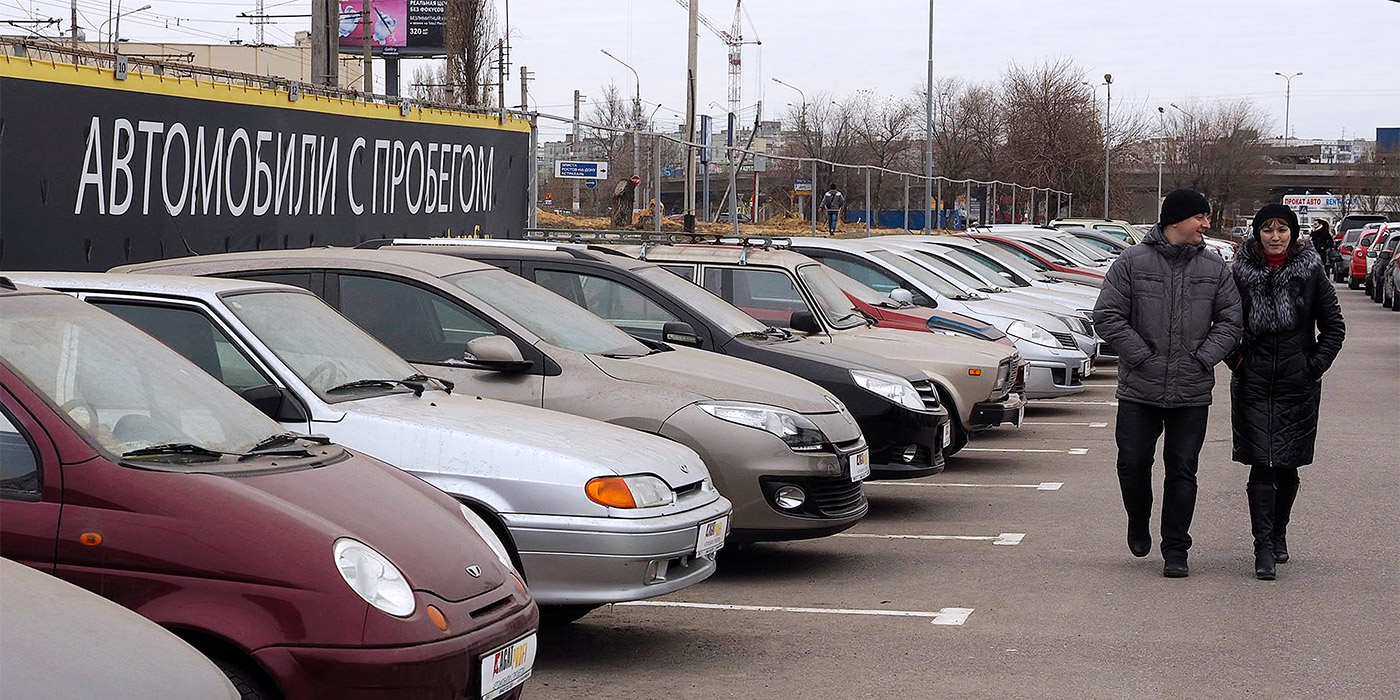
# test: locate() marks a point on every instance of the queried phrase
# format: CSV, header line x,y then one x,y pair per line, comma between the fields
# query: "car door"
x,y
31,493
189,330
617,301
771,296
431,329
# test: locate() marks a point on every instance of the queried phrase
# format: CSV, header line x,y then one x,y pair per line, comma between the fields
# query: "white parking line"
x,y
1005,538
1060,422
946,616
1072,451
1042,486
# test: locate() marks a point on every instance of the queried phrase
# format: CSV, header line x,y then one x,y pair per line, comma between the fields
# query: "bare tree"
x,y
469,36
1053,134
1215,149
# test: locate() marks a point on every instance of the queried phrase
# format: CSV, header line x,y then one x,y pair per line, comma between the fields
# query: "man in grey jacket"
x,y
1171,310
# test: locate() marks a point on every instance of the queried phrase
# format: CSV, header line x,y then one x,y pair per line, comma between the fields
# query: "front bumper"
x,y
990,414
593,561
1048,380
905,444
446,669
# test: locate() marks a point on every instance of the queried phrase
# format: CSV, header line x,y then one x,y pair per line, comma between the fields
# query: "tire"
x,y
959,437
1352,284
561,615
250,685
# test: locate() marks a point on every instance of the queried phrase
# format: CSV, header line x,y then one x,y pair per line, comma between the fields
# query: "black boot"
x,y
1286,491
1139,536
1261,519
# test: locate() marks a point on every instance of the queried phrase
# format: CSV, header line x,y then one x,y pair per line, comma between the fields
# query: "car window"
x,y
920,274
868,274
700,301
1367,239
613,301
684,271
768,295
543,313
194,335
417,323
986,267
1014,252
1116,231
1050,253
19,464
1102,246
295,279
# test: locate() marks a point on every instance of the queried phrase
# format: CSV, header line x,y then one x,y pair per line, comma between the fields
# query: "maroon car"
x,y
303,570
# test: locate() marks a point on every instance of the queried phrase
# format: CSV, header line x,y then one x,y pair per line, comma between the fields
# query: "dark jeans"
x,y
1139,426
831,215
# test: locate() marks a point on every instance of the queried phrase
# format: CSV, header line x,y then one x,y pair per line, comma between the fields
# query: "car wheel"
x,y
959,436
250,686
1352,284
560,615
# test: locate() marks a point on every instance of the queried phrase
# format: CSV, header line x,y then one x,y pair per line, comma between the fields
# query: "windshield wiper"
x,y
447,384
417,387
265,446
174,448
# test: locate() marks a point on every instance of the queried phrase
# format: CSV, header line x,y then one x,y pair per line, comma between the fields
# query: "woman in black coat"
x,y
1293,331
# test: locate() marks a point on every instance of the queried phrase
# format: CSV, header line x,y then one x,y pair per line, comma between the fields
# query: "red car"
x,y
1357,275
889,313
1043,259
303,570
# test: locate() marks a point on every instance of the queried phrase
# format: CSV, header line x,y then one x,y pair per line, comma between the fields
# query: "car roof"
x,y
715,253
172,285
379,260
521,250
10,288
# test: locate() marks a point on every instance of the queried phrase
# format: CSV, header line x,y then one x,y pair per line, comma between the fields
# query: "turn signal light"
x,y
974,373
91,539
610,491
439,620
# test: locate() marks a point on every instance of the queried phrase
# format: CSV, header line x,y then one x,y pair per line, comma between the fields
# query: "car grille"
x,y
836,497
928,394
1066,339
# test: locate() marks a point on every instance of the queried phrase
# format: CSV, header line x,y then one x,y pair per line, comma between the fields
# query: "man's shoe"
x,y
1139,539
1175,568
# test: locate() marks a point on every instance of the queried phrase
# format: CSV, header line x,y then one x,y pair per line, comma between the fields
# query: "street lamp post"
x,y
1287,103
1107,136
1161,149
802,129
116,21
636,117
928,132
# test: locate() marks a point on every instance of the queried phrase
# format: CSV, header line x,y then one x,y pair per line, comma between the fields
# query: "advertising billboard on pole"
x,y
397,27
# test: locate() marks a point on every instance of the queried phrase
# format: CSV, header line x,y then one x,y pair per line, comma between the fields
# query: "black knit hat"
x,y
1276,211
1182,204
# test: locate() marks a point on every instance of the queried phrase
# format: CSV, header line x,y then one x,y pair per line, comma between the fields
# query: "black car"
x,y
648,301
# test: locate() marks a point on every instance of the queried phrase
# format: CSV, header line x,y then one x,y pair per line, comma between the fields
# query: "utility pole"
x,y
367,40
1287,104
1161,149
573,143
73,29
692,49
1107,143
928,131
501,79
325,40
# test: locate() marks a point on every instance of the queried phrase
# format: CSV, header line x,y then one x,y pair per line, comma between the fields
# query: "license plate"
x,y
507,667
860,465
947,434
1086,368
711,536
1019,416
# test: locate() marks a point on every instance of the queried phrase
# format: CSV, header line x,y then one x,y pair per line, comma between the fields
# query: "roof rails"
x,y
646,239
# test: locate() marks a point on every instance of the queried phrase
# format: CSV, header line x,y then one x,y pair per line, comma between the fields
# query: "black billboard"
x,y
92,177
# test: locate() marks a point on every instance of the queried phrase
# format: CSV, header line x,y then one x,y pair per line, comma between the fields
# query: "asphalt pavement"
x,y
1008,576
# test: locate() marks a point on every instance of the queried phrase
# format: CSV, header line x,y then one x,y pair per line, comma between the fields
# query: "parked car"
x,y
760,431
1056,361
897,310
1377,255
1103,242
1360,264
976,379
1059,265
1117,228
906,428
1390,285
60,641
301,568
589,513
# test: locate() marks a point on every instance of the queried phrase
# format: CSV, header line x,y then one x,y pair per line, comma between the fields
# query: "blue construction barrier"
x,y
894,218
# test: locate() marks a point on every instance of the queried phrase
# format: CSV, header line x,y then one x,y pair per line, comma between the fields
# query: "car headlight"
x,y
636,491
892,387
1032,333
795,429
375,578
488,535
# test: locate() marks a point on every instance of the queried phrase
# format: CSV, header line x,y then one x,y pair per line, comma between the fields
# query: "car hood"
x,y
526,447
718,377
919,347
812,350
1000,313
420,529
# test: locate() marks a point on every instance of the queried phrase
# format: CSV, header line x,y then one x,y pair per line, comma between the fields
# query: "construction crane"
x,y
734,39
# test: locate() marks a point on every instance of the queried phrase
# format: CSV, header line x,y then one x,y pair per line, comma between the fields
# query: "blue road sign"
x,y
590,184
581,169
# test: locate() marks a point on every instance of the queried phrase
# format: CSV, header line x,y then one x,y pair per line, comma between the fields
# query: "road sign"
x,y
581,169
802,184
590,184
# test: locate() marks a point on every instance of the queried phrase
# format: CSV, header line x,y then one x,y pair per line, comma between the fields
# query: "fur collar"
x,y
1275,296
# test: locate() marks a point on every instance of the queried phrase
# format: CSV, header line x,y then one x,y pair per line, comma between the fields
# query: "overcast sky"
x,y
1158,52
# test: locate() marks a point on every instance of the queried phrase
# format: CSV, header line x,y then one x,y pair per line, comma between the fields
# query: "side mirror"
x,y
680,333
805,322
496,353
274,402
901,296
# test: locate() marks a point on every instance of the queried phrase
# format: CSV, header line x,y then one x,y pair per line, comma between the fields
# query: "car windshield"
x,y
959,274
123,389
324,349
838,308
553,318
921,274
1053,254
1084,250
855,289
1116,231
1066,250
1101,246
1367,239
1030,269
987,267
714,309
